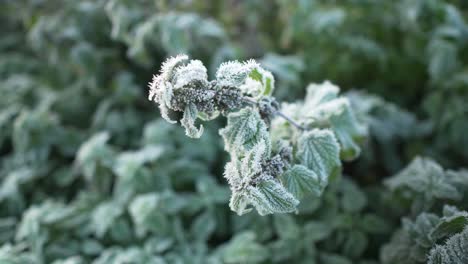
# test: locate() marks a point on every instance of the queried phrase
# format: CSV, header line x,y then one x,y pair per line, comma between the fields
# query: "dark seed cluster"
x,y
208,97
275,166
268,106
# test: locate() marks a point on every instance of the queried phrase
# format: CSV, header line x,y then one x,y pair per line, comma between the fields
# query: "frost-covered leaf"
x,y
234,73
10,254
353,199
259,83
70,260
355,244
127,255
244,249
286,227
450,225
104,216
244,130
93,152
188,121
454,250
333,259
250,186
424,179
319,151
322,106
270,197
192,73
160,88
317,231
300,181
128,163
203,226
146,214
422,240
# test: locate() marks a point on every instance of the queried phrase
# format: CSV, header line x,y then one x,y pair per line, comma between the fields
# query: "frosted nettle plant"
x,y
278,153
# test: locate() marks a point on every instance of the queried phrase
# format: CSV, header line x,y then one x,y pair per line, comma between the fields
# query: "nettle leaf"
x,y
319,151
424,178
234,73
104,216
188,122
348,132
420,240
353,199
239,202
128,163
323,107
70,260
193,72
146,214
450,225
455,250
203,226
12,254
240,174
161,89
355,244
244,130
93,152
259,83
248,76
250,186
244,249
270,197
300,181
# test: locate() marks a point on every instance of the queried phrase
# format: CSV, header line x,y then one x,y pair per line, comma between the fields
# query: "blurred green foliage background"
x,y
90,174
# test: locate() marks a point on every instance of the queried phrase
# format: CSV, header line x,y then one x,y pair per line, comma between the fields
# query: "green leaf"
x,y
234,73
348,132
265,78
374,224
323,108
243,249
355,244
244,130
317,231
203,226
146,214
455,250
301,181
450,225
104,216
333,259
425,179
188,121
93,152
286,227
319,151
270,197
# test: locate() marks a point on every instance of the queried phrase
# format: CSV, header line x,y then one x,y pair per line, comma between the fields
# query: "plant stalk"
x,y
277,112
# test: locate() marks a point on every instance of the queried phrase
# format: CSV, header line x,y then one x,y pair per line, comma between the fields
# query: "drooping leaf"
x,y
188,121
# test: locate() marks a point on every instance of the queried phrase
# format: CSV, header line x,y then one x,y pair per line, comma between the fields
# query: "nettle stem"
x,y
291,121
276,112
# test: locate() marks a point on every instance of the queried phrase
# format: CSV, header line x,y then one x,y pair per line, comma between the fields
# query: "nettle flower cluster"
x,y
279,154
